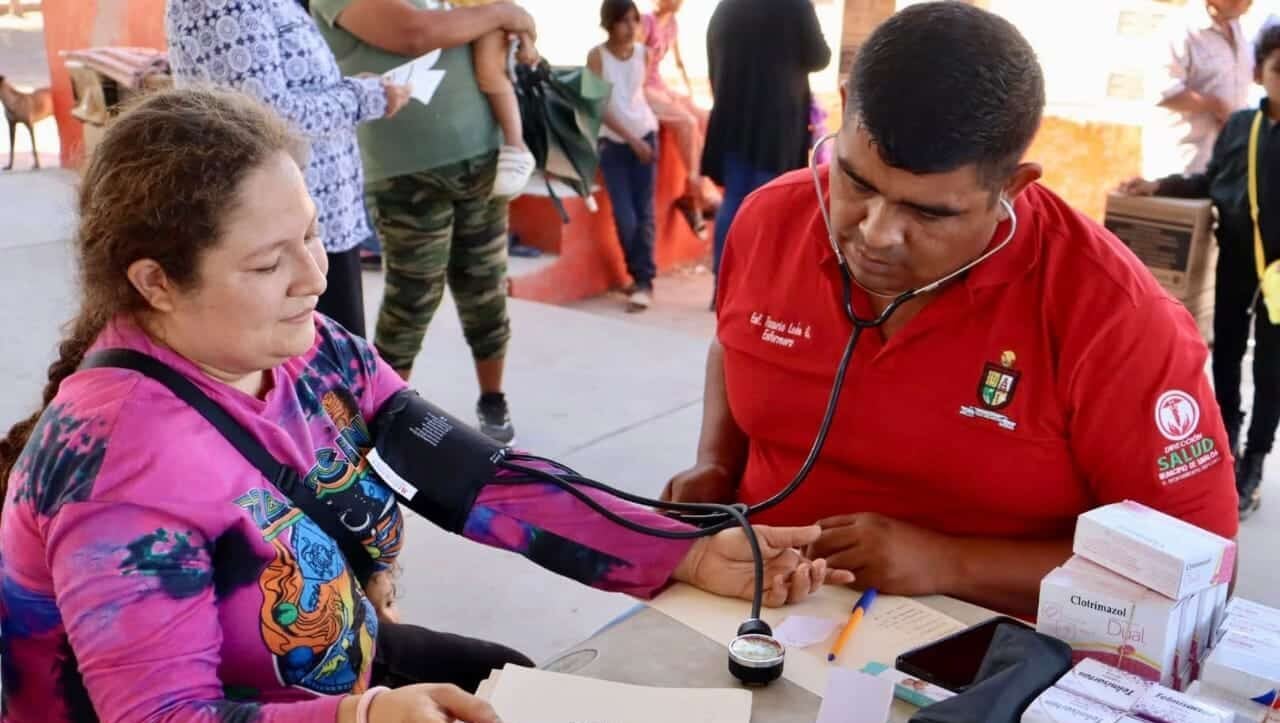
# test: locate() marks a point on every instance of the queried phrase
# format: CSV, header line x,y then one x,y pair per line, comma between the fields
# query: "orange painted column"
x,y
590,257
78,24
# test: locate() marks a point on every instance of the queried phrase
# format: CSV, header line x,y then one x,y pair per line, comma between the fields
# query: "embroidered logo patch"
x,y
998,384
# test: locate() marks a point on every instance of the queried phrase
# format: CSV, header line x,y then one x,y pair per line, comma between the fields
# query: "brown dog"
x,y
26,109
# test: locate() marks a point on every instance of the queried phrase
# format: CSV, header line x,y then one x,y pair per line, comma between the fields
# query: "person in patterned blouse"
x,y
272,50
151,573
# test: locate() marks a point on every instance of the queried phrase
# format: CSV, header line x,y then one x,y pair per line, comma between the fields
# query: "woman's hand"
x,y
427,704
527,51
722,565
397,97
517,20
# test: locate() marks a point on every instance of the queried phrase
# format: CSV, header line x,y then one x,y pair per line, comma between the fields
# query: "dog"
x,y
26,109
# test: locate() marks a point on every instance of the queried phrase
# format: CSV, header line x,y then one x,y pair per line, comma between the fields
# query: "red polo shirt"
x,y
1055,377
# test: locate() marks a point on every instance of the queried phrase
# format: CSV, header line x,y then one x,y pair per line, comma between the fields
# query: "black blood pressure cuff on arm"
x,y
435,463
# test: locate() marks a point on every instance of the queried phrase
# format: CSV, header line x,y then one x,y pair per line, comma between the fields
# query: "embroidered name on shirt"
x,y
780,333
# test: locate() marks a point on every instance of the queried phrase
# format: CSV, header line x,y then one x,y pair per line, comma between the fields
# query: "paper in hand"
x,y
802,631
418,74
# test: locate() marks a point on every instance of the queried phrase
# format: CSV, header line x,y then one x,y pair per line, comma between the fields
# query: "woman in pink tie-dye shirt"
x,y
150,573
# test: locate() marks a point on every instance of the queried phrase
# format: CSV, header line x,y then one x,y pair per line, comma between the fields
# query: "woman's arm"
x,y
252,61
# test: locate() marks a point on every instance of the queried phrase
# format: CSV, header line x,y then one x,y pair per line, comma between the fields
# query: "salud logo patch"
x,y
1177,415
999,382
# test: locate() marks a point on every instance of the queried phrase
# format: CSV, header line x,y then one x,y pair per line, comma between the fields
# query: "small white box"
x,y
1130,694
1260,629
1220,605
1169,706
1207,603
1059,706
1245,711
1111,619
1256,612
1104,684
1172,557
1245,666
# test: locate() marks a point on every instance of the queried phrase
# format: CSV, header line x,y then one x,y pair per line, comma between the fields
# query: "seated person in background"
x,y
660,32
983,417
150,572
515,163
1237,303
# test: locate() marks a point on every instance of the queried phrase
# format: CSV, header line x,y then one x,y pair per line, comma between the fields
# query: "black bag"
x,y
562,109
1019,666
281,475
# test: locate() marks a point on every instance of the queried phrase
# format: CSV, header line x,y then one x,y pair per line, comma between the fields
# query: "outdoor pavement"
x,y
615,395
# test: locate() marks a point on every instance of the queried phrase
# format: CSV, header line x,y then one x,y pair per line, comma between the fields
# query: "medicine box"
x,y
1172,557
1130,694
1059,706
1245,666
1245,711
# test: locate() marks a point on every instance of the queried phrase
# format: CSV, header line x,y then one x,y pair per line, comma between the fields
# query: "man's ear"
x,y
153,284
1024,175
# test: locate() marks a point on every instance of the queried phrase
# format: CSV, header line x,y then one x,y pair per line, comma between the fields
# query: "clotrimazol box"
x,y
1184,669
1059,706
1172,557
1245,711
1244,666
1113,620
1130,694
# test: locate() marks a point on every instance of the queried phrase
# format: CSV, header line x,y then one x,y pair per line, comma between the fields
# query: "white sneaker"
x,y
515,168
639,300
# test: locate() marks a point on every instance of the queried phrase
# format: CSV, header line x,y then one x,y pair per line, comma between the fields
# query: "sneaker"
x,y
639,300
495,418
1249,482
515,168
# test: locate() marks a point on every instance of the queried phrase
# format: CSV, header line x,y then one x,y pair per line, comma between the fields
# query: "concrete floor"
x,y
615,395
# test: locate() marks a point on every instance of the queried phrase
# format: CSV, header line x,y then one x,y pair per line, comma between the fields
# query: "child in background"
x,y
1237,302
515,162
628,143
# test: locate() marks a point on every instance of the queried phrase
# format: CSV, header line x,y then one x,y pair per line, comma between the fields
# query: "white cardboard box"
x,y
1172,557
1244,666
1112,620
1246,711
1059,706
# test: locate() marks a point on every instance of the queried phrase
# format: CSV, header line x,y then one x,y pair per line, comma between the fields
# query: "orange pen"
x,y
860,609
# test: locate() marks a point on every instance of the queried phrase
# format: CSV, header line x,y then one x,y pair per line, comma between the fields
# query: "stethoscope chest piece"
x,y
755,656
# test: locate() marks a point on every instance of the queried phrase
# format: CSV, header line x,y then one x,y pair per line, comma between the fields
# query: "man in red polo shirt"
x,y
981,419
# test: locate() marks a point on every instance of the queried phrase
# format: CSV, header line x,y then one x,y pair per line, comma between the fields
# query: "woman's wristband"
x,y
366,700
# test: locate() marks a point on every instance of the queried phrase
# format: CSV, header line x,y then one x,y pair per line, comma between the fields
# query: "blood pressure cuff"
x,y
1019,666
435,463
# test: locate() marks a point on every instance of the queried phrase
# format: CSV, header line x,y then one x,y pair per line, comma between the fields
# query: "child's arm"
x,y
595,63
1196,185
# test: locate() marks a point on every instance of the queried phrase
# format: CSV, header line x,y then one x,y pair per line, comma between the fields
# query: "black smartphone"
x,y
952,663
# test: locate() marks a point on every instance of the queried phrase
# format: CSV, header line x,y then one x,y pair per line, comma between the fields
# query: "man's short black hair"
x,y
942,85
612,11
1268,43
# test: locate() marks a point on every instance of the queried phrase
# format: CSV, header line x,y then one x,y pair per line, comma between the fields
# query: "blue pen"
x,y
859,611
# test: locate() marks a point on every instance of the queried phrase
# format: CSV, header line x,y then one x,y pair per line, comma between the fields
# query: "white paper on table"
x,y
526,695
418,74
802,631
891,627
854,697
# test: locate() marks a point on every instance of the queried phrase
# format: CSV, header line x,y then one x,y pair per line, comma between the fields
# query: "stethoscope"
x,y
755,656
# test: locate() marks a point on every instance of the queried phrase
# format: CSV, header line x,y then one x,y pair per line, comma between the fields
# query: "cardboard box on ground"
x,y
1174,238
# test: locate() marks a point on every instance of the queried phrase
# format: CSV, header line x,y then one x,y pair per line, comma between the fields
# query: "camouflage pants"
x,y
440,226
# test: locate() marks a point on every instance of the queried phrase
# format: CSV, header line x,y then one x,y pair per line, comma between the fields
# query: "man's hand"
x,y
1220,108
703,482
1138,187
895,557
723,565
397,97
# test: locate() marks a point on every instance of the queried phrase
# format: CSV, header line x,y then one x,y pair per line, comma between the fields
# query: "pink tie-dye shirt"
x,y
150,573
